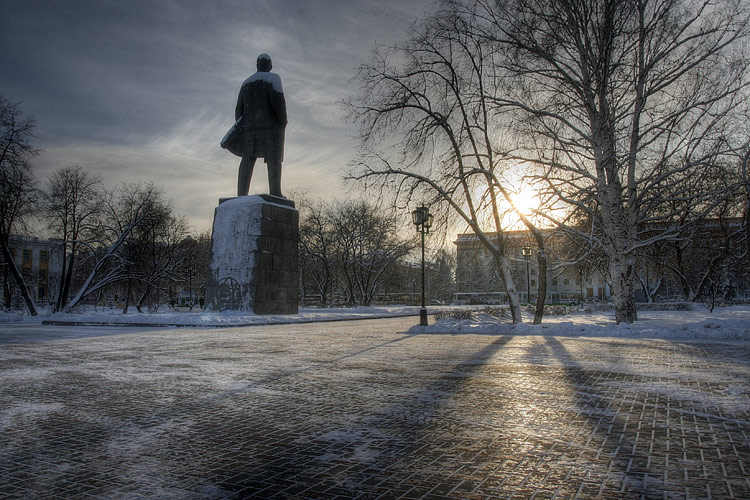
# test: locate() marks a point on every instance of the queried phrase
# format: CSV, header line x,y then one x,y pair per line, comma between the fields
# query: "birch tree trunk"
x,y
510,287
621,274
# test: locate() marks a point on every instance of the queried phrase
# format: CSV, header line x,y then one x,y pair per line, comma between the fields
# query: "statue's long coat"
x,y
262,107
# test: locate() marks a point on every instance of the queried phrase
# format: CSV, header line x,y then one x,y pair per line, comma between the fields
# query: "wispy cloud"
x,y
146,89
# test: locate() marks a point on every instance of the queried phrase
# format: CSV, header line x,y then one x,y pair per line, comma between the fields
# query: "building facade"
x,y
704,261
40,262
478,280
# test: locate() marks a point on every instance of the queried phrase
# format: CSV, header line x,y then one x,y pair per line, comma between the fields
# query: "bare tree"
x,y
352,245
105,267
71,204
132,219
443,274
427,131
195,256
366,243
700,245
744,175
162,261
149,253
316,249
17,185
622,106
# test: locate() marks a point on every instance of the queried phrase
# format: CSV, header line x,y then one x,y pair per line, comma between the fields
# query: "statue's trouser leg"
x,y
274,177
245,174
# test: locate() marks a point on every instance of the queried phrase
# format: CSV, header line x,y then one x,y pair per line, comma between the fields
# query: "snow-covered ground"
x,y
228,318
726,323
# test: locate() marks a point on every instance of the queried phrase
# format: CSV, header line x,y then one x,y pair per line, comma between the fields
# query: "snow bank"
x,y
732,323
12,317
724,324
227,318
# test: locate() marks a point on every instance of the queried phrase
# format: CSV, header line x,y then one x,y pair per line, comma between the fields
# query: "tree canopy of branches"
x,y
136,242
17,185
192,262
630,105
149,253
352,244
316,250
433,108
72,205
620,109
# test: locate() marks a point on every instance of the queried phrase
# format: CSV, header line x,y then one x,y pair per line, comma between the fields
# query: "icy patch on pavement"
x,y
26,411
734,399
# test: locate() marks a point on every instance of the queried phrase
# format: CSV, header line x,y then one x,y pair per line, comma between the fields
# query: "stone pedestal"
x,y
254,264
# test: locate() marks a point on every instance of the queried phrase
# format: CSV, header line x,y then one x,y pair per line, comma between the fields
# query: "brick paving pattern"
x,y
363,410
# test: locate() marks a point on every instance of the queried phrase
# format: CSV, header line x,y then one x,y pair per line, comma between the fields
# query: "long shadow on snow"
x,y
623,425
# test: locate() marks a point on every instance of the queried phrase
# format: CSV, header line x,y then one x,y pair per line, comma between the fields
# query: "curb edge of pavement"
x,y
227,325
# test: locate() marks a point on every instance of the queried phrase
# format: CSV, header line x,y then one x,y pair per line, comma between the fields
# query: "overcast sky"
x,y
145,90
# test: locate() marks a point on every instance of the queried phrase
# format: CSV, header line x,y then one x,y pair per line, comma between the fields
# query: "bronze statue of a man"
x,y
259,130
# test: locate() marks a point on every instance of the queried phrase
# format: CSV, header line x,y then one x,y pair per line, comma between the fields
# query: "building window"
x,y
533,272
554,282
43,257
26,259
566,281
533,282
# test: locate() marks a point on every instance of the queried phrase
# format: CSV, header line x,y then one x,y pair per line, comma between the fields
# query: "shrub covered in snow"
x,y
551,309
665,306
496,311
459,314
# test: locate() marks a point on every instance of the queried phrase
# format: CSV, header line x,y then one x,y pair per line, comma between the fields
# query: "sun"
x,y
525,201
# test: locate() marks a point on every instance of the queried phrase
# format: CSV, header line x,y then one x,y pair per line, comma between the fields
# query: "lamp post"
x,y
527,255
422,219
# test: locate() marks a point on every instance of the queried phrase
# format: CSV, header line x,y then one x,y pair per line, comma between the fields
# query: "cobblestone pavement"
x,y
363,410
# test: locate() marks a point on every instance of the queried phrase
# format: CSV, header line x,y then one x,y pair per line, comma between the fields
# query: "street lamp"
x,y
422,218
527,251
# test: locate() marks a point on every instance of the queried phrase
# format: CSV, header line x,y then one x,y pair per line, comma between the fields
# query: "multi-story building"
x,y
478,279
699,260
39,262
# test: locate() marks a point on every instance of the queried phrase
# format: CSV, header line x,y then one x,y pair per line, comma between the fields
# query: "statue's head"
x,y
264,63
